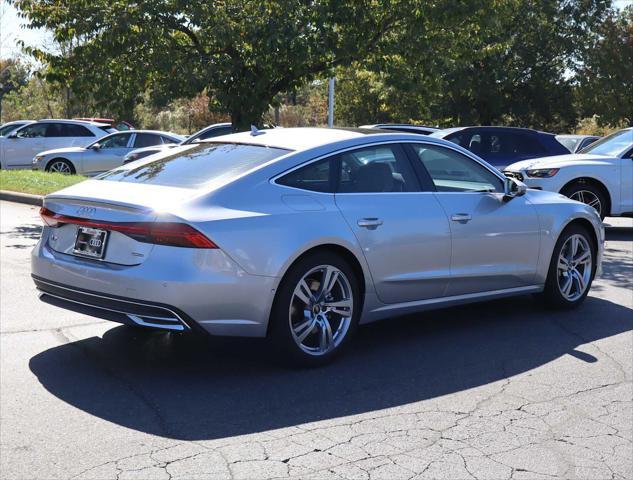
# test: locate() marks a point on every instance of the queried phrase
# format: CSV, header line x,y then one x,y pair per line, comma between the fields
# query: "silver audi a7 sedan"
x,y
303,234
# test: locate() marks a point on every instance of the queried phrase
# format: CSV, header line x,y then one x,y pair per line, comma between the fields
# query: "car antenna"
x,y
255,132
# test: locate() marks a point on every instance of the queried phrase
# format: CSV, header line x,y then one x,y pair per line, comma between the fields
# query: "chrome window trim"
x,y
273,180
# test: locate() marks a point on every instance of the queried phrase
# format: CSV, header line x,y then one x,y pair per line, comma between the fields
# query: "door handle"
x,y
370,223
461,217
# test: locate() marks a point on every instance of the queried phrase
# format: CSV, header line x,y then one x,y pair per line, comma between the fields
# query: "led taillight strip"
x,y
161,233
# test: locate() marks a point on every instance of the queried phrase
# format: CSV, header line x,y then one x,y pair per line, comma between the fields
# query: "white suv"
x,y
19,147
600,176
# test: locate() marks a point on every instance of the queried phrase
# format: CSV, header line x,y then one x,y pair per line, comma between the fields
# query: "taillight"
x,y
159,233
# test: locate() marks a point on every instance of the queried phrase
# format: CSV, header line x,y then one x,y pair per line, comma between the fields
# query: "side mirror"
x,y
13,135
96,146
513,188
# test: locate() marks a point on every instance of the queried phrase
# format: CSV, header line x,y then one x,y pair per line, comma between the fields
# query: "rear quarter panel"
x,y
265,227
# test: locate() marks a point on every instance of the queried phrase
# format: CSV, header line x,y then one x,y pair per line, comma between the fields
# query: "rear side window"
x,y
315,177
375,170
146,140
67,130
198,165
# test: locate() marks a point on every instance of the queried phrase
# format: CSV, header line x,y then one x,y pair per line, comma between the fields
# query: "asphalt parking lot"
x,y
499,390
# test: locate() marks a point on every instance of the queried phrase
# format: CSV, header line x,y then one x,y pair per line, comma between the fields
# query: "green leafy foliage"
x,y
242,52
606,74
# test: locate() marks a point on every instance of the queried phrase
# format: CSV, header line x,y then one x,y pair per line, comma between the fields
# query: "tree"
x,y
14,75
243,52
484,62
605,75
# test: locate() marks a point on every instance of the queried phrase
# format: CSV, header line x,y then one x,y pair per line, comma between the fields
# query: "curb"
x,y
18,197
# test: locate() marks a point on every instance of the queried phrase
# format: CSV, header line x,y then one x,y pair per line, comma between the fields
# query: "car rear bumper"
x,y
176,289
116,309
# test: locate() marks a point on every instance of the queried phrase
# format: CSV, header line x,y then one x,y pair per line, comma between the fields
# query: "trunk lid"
x,y
113,202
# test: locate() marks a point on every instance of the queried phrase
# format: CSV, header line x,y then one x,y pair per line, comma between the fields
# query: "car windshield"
x,y
612,145
198,165
570,143
9,128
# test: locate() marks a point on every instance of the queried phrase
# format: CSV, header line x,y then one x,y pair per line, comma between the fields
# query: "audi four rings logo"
x,y
86,211
95,242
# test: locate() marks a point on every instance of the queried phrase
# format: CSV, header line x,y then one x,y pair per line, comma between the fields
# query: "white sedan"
x,y
601,176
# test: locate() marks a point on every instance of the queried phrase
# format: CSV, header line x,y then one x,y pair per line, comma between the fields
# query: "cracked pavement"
x,y
499,390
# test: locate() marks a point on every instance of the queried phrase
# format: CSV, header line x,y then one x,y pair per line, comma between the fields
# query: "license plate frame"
x,y
90,242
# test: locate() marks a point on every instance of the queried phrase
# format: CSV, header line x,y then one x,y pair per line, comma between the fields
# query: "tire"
x,y
300,321
588,194
60,165
565,279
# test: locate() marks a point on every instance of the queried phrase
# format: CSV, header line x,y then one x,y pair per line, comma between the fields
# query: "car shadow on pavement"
x,y
194,388
28,234
619,273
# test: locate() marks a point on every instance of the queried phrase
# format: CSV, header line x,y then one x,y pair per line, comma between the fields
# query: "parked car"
x,y
302,234
403,127
121,125
211,131
501,146
600,176
9,127
19,147
575,143
102,155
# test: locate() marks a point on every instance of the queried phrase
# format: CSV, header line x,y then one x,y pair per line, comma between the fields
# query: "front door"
x,y
19,151
402,230
107,153
495,242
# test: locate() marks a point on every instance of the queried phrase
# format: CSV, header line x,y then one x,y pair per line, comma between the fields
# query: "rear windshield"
x,y
198,165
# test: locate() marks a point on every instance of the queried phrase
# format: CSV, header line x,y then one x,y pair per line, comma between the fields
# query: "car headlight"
x,y
37,158
542,172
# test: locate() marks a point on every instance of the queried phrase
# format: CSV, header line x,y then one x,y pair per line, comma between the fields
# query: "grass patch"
x,y
36,182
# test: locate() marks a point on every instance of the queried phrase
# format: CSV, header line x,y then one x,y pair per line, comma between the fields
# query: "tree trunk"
x,y
242,120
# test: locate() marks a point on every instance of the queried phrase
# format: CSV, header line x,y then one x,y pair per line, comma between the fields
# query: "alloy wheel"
x,y
589,198
60,167
574,267
321,310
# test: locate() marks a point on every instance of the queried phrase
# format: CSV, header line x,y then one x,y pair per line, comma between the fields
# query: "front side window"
x,y
376,169
146,140
453,172
114,141
168,140
198,166
33,131
315,177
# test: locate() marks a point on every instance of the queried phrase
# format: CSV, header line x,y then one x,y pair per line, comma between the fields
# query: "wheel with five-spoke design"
x,y
572,268
316,309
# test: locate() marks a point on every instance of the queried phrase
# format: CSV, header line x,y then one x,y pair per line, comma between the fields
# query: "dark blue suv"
x,y
502,146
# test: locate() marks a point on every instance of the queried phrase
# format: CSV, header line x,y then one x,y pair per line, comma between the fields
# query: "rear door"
x,y
402,229
495,243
